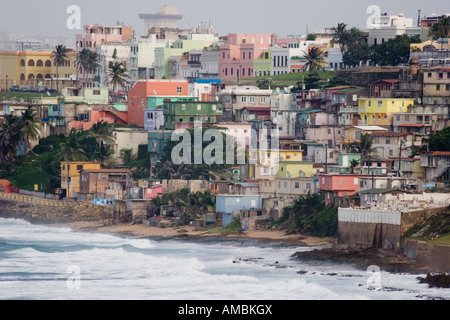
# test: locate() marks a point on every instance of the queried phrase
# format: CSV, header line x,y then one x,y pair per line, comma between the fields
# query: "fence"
x,y
36,201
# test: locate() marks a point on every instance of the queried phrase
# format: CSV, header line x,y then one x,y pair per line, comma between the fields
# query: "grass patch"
x,y
445,239
26,96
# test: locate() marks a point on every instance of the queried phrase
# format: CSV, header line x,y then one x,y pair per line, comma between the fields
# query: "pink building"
x,y
153,192
238,55
338,185
99,113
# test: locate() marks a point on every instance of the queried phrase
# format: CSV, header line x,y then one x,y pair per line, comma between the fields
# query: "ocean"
x,y
52,263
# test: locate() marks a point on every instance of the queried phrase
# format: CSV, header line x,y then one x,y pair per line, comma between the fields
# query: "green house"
x,y
191,111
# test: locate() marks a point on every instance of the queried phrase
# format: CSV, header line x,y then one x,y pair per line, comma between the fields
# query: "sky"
x,y
284,17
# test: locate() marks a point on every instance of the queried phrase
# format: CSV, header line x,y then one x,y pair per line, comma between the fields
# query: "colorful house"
x,y
149,94
294,169
378,111
187,111
70,176
226,204
338,185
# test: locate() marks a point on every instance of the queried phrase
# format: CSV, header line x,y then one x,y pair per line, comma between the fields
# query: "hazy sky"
x,y
48,17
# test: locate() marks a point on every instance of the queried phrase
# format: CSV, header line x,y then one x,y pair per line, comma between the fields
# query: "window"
x,y
199,107
79,167
429,74
341,180
441,75
244,99
251,99
96,92
263,99
438,87
447,87
179,89
380,103
31,63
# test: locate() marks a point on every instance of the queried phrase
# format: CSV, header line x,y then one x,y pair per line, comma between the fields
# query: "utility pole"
x,y
418,17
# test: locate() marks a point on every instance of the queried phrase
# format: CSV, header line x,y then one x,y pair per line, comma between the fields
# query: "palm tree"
x,y
102,133
10,137
71,149
59,56
440,30
314,59
353,164
340,35
365,145
117,74
127,156
30,128
87,62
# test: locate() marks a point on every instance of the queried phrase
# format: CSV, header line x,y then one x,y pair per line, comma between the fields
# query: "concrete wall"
x,y
364,228
433,256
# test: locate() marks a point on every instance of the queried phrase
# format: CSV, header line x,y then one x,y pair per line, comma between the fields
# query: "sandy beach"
x,y
139,230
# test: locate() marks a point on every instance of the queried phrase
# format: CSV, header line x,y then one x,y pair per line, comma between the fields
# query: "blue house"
x,y
226,204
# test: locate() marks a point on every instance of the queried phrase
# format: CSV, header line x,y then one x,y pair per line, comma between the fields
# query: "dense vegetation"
x,y
309,215
190,206
435,229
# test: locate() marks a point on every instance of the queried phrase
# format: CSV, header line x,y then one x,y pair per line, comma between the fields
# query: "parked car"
x,y
14,88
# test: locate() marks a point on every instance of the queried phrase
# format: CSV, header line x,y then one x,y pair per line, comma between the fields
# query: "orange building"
x,y
149,94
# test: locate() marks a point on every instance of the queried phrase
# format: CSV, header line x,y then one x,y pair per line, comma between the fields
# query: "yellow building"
x,y
70,176
378,111
295,169
31,69
264,164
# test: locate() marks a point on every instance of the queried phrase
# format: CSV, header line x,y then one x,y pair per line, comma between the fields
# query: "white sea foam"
x,y
37,261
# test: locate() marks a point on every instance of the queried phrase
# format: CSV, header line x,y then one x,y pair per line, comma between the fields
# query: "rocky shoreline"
x,y
95,220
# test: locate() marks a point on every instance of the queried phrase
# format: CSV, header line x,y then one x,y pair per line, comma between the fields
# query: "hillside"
x,y
436,229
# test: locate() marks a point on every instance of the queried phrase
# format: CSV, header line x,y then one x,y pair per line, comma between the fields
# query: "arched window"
x,y
31,76
47,76
39,76
31,63
39,63
22,63
48,63
22,77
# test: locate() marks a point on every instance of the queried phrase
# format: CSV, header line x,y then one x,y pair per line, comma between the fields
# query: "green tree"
x,y
311,37
440,30
71,149
102,133
315,60
59,57
440,141
365,145
127,156
340,36
87,61
394,51
10,137
353,165
117,75
30,127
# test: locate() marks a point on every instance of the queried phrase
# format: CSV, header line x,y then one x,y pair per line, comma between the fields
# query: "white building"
x,y
105,54
166,17
388,27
